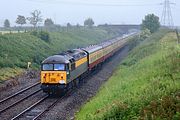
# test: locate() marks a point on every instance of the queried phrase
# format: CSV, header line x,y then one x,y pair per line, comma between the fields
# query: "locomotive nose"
x,y
53,77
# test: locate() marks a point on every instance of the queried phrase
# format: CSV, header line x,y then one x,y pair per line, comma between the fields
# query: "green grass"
x,y
9,72
150,74
18,49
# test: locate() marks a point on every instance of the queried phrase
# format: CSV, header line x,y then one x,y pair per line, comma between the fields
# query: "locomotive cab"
x,y
54,73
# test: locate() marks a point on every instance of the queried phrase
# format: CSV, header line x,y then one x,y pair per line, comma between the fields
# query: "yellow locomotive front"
x,y
54,74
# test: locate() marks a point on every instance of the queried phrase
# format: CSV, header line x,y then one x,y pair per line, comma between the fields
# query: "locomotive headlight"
x,y
67,72
62,81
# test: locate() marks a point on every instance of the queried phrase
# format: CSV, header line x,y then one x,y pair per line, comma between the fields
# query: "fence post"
x,y
178,38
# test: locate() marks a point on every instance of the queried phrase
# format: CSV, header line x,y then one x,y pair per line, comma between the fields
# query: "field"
x,y
10,32
20,48
145,85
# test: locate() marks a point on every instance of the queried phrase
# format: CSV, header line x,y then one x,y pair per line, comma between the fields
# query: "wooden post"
x,y
28,65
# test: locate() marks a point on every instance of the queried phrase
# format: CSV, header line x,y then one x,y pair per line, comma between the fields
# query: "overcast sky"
x,y
76,11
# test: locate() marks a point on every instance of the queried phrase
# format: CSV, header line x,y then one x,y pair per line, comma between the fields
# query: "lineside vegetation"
x,y
145,85
19,49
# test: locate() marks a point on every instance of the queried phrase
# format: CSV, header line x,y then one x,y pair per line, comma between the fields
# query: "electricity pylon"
x,y
166,18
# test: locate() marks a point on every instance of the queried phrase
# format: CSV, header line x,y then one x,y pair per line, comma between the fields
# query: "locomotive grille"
x,y
53,79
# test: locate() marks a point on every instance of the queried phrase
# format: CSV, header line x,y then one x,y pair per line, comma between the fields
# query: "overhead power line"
x,y
92,4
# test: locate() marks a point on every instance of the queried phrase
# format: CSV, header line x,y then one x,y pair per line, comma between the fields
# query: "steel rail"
x,y
23,90
15,103
53,104
30,107
47,109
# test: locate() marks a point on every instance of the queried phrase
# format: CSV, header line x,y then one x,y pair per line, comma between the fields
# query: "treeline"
x,y
35,19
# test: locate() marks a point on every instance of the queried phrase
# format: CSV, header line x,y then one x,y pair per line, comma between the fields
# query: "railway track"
x,y
18,97
38,109
32,111
15,94
29,108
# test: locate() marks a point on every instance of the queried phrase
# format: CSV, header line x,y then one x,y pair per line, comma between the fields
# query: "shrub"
x,y
165,108
43,35
37,59
34,32
3,37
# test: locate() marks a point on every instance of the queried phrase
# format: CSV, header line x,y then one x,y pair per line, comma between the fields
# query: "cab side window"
x,y
73,66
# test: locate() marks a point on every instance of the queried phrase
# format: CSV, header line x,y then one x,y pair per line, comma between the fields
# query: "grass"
x,y
144,86
9,72
19,49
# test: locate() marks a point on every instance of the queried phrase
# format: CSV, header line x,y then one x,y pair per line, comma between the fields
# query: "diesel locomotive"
x,y
65,70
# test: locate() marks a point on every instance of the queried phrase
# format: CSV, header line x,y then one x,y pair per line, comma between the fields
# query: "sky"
x,y
76,11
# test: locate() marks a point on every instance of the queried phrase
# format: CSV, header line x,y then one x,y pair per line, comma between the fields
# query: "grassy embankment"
x,y
18,49
144,86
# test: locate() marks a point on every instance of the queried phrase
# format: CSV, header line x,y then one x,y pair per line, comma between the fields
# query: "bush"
x,y
145,34
34,32
3,37
37,59
43,35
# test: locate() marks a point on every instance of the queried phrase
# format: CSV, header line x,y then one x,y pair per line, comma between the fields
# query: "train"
x,y
65,70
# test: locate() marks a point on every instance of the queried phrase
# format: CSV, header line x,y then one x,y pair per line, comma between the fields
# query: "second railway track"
x,y
36,110
28,104
16,102
19,92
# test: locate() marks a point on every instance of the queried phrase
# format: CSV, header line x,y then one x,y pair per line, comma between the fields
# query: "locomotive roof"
x,y
57,59
66,57
76,53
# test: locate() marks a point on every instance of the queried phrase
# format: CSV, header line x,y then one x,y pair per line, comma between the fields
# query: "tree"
x,y
69,25
21,20
35,18
78,25
89,22
6,23
48,22
151,22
